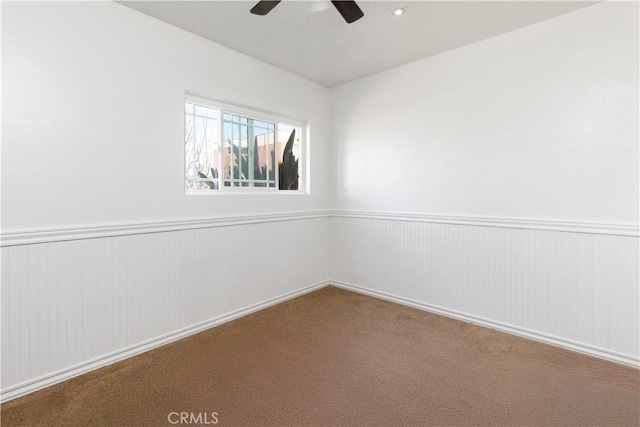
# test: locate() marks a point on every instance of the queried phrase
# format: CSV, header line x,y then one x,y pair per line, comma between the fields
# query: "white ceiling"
x,y
322,47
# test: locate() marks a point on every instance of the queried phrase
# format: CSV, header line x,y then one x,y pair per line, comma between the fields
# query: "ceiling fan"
x,y
348,9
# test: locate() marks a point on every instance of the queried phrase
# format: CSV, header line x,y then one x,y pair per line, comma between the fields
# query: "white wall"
x,y
541,122
93,122
499,182
101,255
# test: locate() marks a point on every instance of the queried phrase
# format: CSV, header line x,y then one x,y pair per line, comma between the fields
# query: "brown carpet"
x,y
338,358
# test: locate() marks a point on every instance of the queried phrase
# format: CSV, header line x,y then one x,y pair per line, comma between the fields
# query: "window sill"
x,y
248,193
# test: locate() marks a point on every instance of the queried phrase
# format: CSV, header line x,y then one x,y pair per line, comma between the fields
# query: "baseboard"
x,y
587,349
30,386
47,380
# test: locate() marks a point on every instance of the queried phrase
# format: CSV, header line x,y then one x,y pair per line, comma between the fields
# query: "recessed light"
x,y
399,11
319,6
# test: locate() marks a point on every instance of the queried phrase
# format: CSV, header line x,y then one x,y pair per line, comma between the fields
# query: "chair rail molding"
x,y
589,227
45,235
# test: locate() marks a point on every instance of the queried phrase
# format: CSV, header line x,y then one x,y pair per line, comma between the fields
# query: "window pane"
x,y
189,147
261,125
232,150
200,110
202,148
248,152
288,154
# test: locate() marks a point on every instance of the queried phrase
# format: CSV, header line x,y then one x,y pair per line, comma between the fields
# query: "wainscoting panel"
x,y
76,300
70,303
579,289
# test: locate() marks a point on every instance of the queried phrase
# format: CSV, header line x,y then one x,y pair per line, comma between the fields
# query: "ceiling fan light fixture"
x,y
320,6
399,11
349,9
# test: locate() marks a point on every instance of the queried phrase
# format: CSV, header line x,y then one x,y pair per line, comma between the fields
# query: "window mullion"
x,y
302,177
220,147
276,164
194,156
250,152
239,154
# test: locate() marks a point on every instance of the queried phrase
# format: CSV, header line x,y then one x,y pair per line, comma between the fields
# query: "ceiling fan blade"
x,y
263,7
349,10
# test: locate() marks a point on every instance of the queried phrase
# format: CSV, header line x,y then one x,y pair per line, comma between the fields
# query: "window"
x,y
230,149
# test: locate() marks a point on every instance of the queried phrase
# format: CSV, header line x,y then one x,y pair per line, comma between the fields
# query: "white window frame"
x,y
223,107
